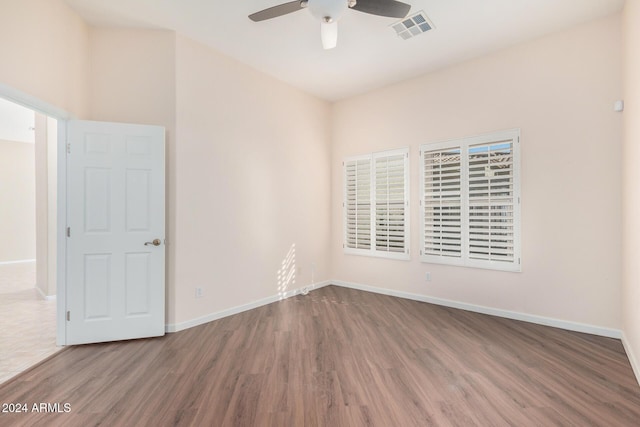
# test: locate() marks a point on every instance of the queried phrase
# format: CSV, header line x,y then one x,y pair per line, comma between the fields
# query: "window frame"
x,y
373,251
512,135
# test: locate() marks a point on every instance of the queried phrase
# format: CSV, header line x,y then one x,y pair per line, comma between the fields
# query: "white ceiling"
x,y
16,122
369,54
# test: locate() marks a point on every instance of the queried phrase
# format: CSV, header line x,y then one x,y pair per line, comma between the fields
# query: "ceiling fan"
x,y
329,11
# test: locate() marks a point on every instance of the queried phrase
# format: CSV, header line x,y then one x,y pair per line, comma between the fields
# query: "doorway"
x,y
28,146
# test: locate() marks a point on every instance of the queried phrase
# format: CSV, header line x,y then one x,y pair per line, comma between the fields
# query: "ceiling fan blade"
x,y
390,8
275,11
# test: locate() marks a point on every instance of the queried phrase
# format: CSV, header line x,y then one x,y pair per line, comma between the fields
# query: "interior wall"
x,y
42,203
52,205
247,173
253,184
132,80
46,140
17,201
559,90
44,50
631,186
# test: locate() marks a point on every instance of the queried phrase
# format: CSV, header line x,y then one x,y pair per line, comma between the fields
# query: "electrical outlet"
x,y
427,276
199,293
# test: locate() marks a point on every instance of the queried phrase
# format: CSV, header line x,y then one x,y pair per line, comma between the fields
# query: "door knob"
x,y
155,242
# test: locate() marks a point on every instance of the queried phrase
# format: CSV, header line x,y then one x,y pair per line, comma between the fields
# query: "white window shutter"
x,y
491,230
376,201
390,202
358,203
471,201
442,202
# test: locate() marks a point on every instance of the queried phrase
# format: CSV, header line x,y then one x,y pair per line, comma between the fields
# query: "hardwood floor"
x,y
339,357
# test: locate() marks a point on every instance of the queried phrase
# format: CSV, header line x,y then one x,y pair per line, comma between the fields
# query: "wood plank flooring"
x,y
339,357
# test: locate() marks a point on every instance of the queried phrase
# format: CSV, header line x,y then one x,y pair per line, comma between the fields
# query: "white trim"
x,y
45,297
633,360
61,240
177,327
33,103
19,261
531,318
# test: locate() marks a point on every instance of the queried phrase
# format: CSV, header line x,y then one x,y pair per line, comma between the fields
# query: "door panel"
x,y
115,196
137,283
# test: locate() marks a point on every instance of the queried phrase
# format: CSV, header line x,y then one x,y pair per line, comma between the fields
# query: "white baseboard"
x,y
45,297
19,261
635,362
176,327
540,320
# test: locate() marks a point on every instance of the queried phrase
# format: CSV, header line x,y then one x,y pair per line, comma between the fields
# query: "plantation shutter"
x,y
358,203
390,202
376,200
442,202
470,211
491,202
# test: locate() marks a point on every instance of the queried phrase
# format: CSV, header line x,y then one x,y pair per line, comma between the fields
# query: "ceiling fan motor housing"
x,y
331,9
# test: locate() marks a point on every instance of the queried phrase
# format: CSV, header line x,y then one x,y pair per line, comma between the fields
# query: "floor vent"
x,y
413,25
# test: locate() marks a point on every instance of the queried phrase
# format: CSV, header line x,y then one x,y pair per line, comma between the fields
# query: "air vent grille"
x,y
413,25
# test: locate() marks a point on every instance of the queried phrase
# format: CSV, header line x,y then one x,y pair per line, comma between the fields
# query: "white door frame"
x,y
33,103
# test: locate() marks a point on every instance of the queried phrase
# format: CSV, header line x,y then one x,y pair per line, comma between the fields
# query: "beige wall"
x,y
248,165
17,201
44,50
132,80
253,183
46,139
44,47
42,204
631,184
250,159
559,90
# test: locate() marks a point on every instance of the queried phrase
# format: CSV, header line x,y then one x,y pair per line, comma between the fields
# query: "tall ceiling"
x,y
369,53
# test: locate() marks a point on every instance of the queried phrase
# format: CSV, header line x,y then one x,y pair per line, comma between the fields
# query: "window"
x,y
470,207
376,199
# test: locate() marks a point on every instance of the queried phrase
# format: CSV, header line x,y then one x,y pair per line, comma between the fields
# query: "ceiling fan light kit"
x,y
329,33
329,11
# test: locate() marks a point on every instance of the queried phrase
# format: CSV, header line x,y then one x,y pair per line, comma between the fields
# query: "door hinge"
x,y
68,148
68,231
519,261
68,316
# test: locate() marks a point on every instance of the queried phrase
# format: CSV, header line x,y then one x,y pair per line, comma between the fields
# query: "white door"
x,y
115,240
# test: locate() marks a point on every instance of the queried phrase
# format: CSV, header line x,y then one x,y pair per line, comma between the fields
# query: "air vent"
x,y
412,25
